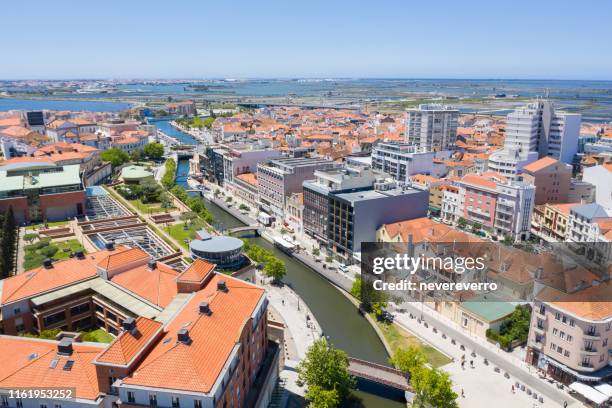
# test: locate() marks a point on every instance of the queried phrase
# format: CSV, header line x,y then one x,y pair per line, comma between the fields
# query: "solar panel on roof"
x,y
68,365
53,363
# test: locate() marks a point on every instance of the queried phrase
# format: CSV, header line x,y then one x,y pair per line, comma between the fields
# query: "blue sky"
x,y
259,38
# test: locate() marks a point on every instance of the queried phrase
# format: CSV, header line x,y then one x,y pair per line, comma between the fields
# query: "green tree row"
x,y
117,157
273,267
195,204
8,243
170,174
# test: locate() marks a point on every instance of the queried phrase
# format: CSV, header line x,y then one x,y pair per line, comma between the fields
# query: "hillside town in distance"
x,y
184,253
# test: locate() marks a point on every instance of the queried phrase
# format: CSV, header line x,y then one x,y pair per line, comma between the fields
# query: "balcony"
x,y
586,366
589,351
591,335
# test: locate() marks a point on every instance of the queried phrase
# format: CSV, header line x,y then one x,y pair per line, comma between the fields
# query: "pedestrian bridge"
x,y
380,375
255,229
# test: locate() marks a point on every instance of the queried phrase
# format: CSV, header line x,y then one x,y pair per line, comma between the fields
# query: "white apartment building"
x,y
242,158
515,204
402,160
432,127
534,131
600,177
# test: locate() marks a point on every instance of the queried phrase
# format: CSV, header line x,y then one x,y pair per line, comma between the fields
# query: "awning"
x,y
605,389
589,393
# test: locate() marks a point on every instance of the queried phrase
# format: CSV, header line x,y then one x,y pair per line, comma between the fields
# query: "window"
x,y
43,405
197,403
555,332
17,310
557,316
130,396
152,400
569,338
19,403
567,353
57,405
175,402
4,400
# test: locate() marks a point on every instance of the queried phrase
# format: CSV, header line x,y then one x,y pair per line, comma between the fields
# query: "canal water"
x,y
337,316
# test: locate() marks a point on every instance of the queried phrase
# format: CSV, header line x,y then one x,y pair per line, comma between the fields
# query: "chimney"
x,y
129,324
64,347
183,336
79,255
152,264
110,246
48,263
221,286
205,309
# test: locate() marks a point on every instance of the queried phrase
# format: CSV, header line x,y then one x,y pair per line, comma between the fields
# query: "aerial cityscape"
x,y
383,218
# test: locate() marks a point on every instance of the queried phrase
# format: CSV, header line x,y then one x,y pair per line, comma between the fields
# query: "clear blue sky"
x,y
291,38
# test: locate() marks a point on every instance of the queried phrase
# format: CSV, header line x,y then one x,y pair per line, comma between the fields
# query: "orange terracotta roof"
x,y
10,121
123,256
564,208
26,363
157,285
197,271
250,178
41,280
196,366
540,164
591,303
130,344
479,181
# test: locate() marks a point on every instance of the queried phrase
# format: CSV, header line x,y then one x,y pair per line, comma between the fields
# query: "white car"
x,y
343,268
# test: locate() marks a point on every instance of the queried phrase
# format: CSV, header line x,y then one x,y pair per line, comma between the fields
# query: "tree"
x,y
244,207
356,288
136,155
432,388
462,223
322,398
316,251
166,200
324,371
188,216
154,151
275,269
8,235
408,359
115,156
29,238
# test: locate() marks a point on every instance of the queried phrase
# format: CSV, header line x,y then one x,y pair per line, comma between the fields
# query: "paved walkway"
x,y
483,386
301,327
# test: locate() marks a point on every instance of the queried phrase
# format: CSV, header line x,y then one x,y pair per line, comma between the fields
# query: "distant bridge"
x,y
247,228
380,375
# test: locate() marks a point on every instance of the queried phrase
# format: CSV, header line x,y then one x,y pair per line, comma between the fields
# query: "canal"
x,y
338,317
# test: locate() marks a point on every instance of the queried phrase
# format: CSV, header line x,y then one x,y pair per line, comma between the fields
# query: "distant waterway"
x,y
54,104
167,128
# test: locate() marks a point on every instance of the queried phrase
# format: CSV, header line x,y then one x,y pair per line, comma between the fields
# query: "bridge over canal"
x,y
391,381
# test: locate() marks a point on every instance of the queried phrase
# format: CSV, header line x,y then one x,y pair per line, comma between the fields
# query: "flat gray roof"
x,y
216,244
373,194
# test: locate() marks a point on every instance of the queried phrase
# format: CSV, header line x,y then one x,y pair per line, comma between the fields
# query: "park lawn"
x,y
50,224
97,335
178,232
399,338
34,257
151,208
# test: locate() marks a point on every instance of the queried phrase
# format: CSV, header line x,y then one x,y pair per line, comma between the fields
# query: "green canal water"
x,y
337,316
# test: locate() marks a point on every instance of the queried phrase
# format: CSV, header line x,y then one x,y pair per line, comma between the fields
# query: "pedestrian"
x,y
564,404
462,393
513,388
463,365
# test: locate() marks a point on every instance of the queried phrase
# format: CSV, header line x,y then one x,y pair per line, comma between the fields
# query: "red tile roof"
x,y
26,363
130,344
196,366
